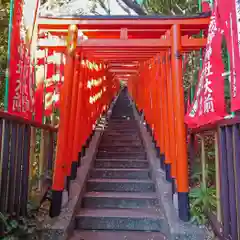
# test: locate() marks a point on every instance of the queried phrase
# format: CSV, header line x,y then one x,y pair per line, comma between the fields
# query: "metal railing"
x,y
226,135
27,156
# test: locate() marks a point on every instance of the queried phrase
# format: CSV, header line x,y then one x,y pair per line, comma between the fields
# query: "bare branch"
x,y
135,7
123,7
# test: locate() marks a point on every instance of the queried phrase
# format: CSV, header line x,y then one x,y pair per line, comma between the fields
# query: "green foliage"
x,y
4,16
18,228
209,172
203,192
171,7
203,200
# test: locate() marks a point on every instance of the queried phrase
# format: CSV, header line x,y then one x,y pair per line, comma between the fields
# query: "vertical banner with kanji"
x,y
21,70
208,105
229,13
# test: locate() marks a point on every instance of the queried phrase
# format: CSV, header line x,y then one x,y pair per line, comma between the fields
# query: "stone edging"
x,y
62,227
176,228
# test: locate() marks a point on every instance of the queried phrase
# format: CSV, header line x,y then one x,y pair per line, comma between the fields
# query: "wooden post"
x,y
236,152
32,158
65,103
224,182
180,133
203,162
231,182
218,187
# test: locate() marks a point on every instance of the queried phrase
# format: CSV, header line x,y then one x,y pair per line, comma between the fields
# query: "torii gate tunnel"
x,y
144,52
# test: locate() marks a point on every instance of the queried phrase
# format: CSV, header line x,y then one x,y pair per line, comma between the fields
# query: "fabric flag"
x,y
229,13
21,71
41,59
208,105
206,6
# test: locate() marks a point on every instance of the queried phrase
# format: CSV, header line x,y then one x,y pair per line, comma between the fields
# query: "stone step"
x,y
119,185
120,173
121,163
122,125
122,129
126,139
115,121
117,155
121,134
121,149
120,219
130,153
120,139
120,144
118,135
117,235
119,200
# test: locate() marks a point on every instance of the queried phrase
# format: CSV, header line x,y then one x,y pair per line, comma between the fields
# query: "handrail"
x,y
214,126
32,123
227,180
26,163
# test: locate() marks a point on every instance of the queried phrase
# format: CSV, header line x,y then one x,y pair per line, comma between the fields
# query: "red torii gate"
x,y
123,43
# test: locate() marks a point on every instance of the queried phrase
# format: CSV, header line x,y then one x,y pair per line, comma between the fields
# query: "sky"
x,y
84,5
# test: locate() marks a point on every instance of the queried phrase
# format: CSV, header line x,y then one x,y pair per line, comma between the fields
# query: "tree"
x,y
4,16
171,7
156,7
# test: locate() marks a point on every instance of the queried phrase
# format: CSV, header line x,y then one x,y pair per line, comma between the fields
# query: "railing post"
x,y
180,133
218,186
203,161
25,169
231,180
18,190
236,154
4,166
224,182
60,169
12,168
42,159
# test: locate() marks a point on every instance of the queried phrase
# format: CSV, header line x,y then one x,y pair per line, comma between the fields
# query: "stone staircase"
x,y
120,202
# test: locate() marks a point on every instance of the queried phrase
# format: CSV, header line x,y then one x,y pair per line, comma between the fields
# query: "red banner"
x,y
229,12
21,70
208,105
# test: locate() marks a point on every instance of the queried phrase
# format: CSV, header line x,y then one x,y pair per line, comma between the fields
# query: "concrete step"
x,y
121,163
120,173
120,219
117,235
119,200
120,185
